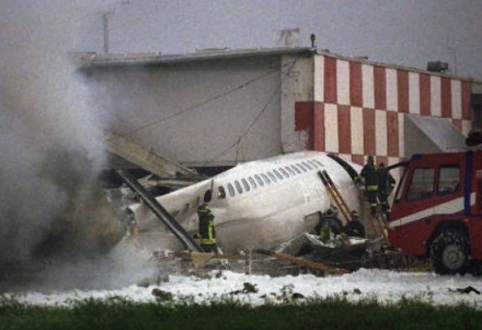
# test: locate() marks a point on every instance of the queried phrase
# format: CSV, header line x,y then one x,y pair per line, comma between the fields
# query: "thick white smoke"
x,y
50,133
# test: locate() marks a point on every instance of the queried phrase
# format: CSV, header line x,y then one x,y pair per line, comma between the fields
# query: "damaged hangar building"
x,y
216,108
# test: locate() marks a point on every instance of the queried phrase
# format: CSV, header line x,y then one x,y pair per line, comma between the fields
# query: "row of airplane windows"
x,y
260,180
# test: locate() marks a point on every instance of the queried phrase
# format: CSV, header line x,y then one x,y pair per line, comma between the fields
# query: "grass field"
x,y
332,313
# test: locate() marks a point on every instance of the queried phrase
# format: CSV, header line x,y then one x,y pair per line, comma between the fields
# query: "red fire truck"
x,y
437,210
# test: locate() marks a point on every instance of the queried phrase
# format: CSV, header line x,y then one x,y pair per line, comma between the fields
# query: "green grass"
x,y
328,313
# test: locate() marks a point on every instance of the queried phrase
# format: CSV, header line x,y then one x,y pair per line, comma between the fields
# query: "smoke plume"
x,y
50,135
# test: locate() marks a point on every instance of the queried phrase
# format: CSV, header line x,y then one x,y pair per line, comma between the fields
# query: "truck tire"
x,y
449,252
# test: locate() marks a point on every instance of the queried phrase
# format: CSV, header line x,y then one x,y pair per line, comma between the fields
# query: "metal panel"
x,y
198,114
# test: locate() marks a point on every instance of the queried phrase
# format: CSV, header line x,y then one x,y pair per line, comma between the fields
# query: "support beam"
x,y
181,234
145,158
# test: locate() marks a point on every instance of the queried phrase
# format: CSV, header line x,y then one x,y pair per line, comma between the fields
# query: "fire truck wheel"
x,y
449,252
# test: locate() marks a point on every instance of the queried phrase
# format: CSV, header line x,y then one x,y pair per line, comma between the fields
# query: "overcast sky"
x,y
404,32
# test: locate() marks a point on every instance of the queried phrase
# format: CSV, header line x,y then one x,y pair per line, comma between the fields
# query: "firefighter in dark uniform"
x,y
206,232
386,184
330,225
369,174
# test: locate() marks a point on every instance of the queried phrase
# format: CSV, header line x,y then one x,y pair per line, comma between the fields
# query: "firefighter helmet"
x,y
332,211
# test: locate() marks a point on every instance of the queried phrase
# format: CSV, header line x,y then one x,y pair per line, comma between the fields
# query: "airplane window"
x,y
307,165
221,192
312,162
285,174
238,186
272,177
258,178
265,178
290,170
302,167
278,175
231,190
252,182
297,170
245,184
318,162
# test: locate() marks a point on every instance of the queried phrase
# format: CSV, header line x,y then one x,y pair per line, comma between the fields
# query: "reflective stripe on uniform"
x,y
372,187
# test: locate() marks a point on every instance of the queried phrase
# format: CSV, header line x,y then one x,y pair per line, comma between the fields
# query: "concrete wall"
x,y
298,86
223,110
204,113
359,107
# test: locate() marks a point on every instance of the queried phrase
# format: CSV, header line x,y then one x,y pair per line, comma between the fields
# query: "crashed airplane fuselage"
x,y
258,204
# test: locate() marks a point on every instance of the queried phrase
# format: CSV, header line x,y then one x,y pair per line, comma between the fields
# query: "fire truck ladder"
x,y
335,194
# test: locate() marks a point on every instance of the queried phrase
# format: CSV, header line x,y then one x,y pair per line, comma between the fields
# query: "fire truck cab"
x,y
437,210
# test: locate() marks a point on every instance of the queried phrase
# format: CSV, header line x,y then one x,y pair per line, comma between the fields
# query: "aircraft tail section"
x,y
164,216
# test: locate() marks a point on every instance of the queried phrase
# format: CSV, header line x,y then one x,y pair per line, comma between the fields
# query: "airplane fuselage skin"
x,y
258,204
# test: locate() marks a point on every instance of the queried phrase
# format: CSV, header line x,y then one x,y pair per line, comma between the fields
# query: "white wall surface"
x,y
199,113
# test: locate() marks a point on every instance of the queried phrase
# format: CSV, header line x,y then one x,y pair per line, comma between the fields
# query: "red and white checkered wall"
x,y
359,107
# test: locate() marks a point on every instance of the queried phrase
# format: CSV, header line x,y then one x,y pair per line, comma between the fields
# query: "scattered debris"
x,y
161,295
247,288
357,291
297,295
305,263
275,298
466,290
352,253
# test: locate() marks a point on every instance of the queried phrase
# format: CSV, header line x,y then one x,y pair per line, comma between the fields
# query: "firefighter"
x,y
386,184
330,225
370,176
207,232
354,227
